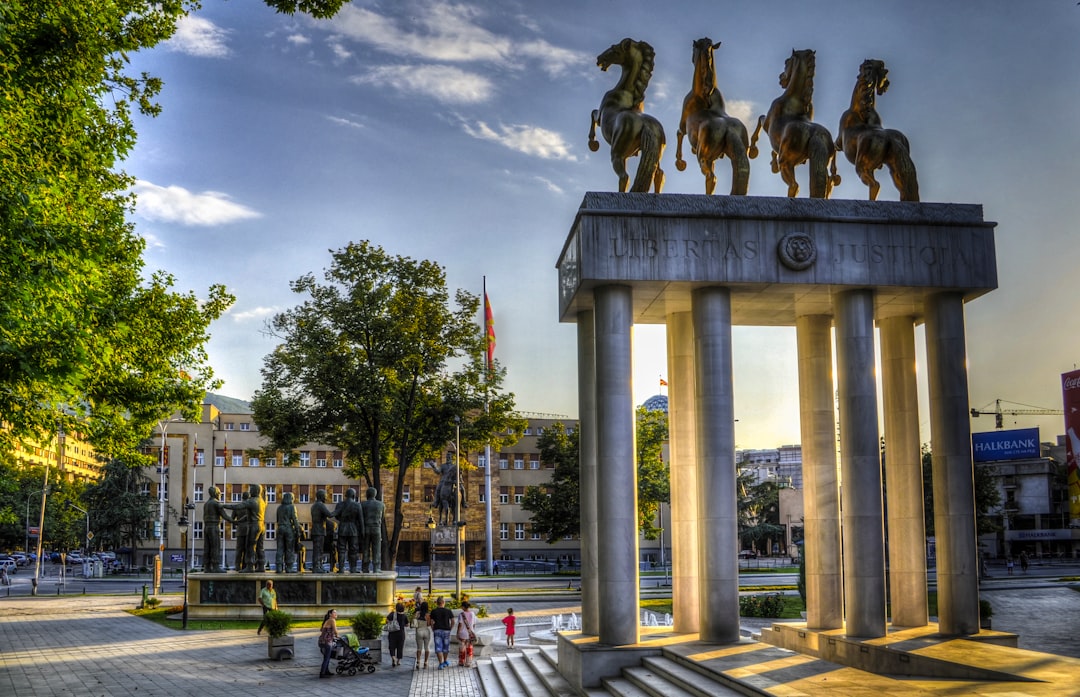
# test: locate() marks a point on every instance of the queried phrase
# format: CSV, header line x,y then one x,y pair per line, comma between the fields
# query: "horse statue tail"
x,y
822,152
753,151
648,170
903,169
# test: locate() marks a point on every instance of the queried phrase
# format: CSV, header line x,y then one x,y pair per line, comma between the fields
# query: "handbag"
x,y
392,625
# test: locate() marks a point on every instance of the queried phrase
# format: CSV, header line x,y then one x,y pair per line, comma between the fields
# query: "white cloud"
x,y
444,83
256,313
530,140
200,37
298,39
550,185
743,110
340,52
446,32
176,204
345,122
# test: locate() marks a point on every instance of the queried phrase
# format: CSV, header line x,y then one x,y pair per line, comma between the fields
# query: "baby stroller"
x,y
352,659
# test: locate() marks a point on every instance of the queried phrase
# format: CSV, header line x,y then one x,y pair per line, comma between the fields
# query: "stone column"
x,y
616,467
903,473
682,416
860,466
718,546
590,603
821,491
954,486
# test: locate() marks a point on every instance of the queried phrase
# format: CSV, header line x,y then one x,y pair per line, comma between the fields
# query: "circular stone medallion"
x,y
797,251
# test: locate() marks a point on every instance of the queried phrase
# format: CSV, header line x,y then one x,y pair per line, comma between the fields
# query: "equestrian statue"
x,y
711,132
867,145
795,138
622,122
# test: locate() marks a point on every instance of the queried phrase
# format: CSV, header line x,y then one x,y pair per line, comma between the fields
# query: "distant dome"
x,y
657,402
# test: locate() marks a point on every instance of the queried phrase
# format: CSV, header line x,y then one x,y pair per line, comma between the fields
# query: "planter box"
x,y
374,646
281,648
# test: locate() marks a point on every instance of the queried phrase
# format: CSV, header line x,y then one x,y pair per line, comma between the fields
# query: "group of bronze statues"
x,y
713,134
356,527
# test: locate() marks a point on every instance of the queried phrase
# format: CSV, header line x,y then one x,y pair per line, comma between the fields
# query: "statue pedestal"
x,y
304,596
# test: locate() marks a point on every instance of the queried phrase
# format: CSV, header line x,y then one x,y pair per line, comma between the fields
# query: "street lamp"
x,y
183,523
27,519
431,551
162,426
459,524
44,495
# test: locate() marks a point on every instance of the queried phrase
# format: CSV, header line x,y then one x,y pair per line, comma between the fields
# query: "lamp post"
x,y
183,523
162,426
44,495
27,519
431,551
459,524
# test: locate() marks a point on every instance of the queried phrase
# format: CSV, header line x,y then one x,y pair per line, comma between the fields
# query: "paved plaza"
x,y
88,645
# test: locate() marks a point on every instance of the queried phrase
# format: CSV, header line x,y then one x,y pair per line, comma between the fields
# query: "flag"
x,y
489,332
663,382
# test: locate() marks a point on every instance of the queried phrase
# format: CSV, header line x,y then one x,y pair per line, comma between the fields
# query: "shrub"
x,y
278,623
770,605
153,602
986,610
367,625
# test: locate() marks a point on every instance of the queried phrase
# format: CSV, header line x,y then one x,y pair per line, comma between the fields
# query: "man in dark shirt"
x,y
442,621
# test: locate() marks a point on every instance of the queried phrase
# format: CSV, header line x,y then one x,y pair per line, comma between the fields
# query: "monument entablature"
x,y
780,257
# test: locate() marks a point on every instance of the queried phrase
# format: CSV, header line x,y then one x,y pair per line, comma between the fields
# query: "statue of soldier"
x,y
254,506
371,546
320,515
288,534
350,519
213,513
240,524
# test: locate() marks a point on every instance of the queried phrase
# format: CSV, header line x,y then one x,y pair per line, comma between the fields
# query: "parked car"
x,y
9,564
20,558
748,554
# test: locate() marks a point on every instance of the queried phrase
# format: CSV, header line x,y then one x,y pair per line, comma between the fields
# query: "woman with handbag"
x,y
422,622
327,637
466,634
395,633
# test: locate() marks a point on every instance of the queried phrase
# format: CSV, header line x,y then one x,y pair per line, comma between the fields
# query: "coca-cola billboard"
x,y
1070,393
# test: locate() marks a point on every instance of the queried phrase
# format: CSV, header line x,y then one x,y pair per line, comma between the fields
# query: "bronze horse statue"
x,y
867,145
622,122
794,136
711,132
444,500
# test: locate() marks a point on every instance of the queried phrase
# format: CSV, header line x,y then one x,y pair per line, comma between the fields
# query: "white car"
x,y
9,564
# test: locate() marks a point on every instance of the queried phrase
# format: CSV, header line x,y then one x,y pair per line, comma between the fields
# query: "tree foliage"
x,y
759,512
119,510
20,507
987,497
84,335
555,506
377,362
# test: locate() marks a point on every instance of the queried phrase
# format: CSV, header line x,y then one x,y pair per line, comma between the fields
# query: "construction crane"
x,y
999,413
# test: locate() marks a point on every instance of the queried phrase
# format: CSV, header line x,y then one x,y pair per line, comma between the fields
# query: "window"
x,y
197,529
482,496
198,492
338,463
539,430
481,462
237,497
406,497
304,499
271,493
219,461
305,459
245,427
528,430
503,464
238,460
518,498
519,463
504,495
228,425
535,533
271,462
568,537
534,464
519,531
232,532
320,462
271,531
253,462
145,491
200,457
504,531
336,497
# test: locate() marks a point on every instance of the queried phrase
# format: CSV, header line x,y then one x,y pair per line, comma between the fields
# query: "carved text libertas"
x,y
708,248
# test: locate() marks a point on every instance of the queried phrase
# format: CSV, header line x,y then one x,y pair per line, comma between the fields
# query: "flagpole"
x,y
489,538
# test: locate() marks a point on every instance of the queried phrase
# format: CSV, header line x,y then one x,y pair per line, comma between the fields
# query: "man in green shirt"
x,y
268,600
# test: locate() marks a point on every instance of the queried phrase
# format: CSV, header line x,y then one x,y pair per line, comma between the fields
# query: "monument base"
x,y
584,662
235,596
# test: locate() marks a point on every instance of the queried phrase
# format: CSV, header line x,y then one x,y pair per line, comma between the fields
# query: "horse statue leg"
x,y
865,164
822,152
901,168
594,145
651,139
737,152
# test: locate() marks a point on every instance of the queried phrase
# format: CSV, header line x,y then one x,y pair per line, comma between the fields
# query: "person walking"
x,y
442,621
1009,564
395,633
327,637
1024,561
268,601
466,634
422,622
509,622
417,597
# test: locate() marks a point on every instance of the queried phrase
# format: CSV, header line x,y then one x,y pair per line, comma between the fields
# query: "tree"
x,y
759,511
555,506
119,510
20,507
84,337
987,497
378,363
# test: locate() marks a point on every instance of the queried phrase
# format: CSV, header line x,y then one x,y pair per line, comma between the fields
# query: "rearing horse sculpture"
x,y
794,136
867,145
626,129
711,132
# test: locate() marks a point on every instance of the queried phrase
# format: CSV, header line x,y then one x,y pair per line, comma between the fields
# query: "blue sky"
x,y
457,131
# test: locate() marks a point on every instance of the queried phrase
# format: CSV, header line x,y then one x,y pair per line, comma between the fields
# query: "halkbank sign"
x,y
1018,444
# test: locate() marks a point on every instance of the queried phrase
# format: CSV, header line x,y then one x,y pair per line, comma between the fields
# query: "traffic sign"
x,y
89,535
